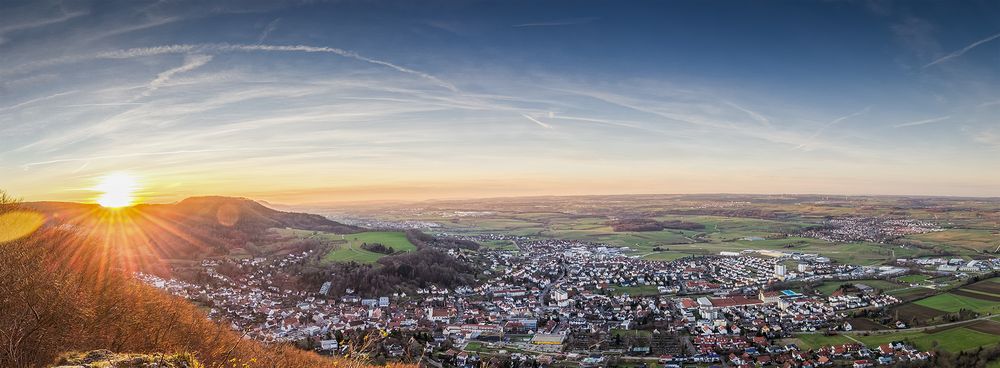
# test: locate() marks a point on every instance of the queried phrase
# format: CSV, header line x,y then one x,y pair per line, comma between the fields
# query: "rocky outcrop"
x,y
108,359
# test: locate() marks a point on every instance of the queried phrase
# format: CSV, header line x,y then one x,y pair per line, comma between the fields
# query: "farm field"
x,y
950,302
912,293
953,339
965,337
976,240
829,287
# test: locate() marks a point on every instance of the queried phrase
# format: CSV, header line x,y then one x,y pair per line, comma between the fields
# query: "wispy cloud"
x,y
753,114
38,23
270,27
556,23
536,121
209,48
962,51
191,62
826,126
87,160
988,137
34,101
921,122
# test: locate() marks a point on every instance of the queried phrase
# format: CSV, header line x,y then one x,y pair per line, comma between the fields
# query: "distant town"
x,y
557,301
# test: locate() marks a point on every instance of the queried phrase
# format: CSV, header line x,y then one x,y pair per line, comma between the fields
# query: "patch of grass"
x,y
951,303
395,239
347,247
913,279
474,346
829,287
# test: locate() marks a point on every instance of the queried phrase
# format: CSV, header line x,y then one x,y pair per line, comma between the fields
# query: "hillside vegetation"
x,y
61,292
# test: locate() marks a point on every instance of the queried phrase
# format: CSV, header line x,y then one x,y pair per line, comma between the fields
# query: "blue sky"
x,y
359,100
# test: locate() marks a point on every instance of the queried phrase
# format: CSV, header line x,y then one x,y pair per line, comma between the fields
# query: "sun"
x,y
117,190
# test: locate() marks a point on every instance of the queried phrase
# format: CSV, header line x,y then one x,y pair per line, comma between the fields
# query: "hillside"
x,y
192,229
61,294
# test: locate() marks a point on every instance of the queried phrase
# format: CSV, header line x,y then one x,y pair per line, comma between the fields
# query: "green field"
x,y
952,303
954,339
631,333
473,346
347,247
829,287
913,279
960,238
499,244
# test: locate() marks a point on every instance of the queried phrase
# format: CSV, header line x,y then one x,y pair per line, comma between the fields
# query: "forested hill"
x,y
191,229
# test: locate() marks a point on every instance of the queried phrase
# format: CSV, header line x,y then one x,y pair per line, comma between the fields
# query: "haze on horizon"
x,y
303,102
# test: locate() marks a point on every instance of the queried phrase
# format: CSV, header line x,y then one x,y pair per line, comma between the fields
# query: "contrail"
x,y
536,121
963,50
828,125
29,102
140,154
224,47
921,122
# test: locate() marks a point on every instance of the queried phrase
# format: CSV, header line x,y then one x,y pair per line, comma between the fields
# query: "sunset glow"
x,y
117,190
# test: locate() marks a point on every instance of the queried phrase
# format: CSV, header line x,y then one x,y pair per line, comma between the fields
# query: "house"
x,y
438,315
328,345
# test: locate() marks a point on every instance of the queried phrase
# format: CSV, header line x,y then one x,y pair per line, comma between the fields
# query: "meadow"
x,y
971,239
347,247
829,287
963,337
951,303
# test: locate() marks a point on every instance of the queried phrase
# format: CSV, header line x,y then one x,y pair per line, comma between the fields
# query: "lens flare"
x,y
117,190
18,224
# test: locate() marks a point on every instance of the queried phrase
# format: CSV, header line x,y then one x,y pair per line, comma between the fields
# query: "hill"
x,y
192,229
63,292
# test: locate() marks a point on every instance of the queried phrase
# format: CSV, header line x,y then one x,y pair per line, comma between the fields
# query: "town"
x,y
551,300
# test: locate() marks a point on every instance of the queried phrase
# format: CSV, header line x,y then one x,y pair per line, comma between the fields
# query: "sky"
x,y
316,102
